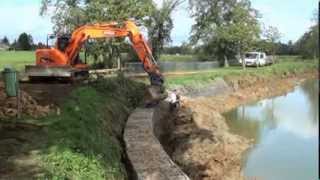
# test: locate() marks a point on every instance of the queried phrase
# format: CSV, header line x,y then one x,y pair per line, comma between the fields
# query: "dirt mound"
x,y
29,106
204,148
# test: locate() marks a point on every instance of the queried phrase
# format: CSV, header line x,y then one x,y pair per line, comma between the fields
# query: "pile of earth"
x,y
29,106
202,145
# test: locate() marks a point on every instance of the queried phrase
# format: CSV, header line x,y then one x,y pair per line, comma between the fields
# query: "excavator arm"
x,y
56,57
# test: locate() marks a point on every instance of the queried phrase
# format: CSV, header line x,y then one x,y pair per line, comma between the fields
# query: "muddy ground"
x,y
201,142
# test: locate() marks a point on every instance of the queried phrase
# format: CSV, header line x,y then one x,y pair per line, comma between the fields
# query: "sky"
x,y
291,17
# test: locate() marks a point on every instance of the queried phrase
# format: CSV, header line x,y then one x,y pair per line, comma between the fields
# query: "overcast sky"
x,y
291,17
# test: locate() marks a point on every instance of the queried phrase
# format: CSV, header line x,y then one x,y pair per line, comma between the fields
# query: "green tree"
x,y
262,45
112,10
224,27
13,45
107,52
5,41
186,48
272,36
160,25
70,14
25,42
308,44
290,48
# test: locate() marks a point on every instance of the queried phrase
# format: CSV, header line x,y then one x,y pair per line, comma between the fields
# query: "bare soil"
x,y
201,142
20,142
37,100
49,93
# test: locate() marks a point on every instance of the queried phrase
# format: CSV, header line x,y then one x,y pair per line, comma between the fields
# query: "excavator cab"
x,y
49,68
63,42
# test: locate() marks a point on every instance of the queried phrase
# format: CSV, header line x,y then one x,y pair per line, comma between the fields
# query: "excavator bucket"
x,y
62,72
153,95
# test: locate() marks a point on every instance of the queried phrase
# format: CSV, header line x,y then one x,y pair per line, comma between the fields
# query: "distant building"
x,y
4,47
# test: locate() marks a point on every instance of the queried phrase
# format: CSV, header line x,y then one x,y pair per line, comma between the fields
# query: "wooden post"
x,y
243,62
226,62
243,112
119,64
18,101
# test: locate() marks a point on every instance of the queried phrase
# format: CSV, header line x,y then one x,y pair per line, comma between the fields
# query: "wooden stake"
x,y
18,102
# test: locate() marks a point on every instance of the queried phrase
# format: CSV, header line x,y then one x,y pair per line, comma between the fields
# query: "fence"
x,y
174,66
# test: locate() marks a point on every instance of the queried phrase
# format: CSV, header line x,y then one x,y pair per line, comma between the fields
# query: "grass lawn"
x,y
284,65
16,59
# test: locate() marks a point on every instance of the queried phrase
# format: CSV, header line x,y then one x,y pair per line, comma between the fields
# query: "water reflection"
x,y
285,132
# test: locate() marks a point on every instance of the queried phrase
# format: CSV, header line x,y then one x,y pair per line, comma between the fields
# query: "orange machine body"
x,y
55,57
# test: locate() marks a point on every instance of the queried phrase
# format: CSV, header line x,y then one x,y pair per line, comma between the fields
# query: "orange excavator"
x,y
63,61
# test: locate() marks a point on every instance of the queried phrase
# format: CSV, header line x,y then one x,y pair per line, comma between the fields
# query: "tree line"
x,y
23,42
290,48
158,22
223,29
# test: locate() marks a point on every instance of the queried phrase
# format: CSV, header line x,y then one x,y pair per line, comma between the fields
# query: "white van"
x,y
255,59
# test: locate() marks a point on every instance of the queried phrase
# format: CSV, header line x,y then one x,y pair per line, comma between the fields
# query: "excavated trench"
x,y
199,140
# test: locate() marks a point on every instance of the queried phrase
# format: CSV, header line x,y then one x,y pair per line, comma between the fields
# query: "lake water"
x,y
285,134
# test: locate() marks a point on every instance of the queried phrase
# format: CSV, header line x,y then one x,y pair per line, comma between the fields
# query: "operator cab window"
x,y
261,56
63,42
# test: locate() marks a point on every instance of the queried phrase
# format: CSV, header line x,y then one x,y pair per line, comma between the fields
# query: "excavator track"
x,y
58,73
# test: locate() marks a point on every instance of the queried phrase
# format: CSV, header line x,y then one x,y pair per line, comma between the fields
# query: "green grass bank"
x,y
285,65
85,140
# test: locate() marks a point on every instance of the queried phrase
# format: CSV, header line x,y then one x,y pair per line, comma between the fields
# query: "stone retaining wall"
x,y
148,158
